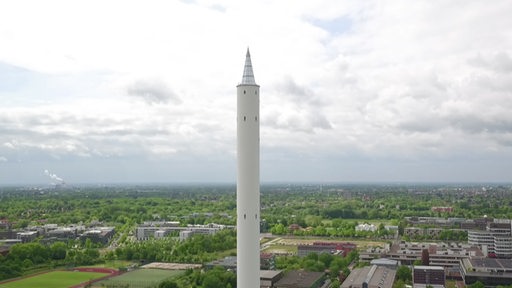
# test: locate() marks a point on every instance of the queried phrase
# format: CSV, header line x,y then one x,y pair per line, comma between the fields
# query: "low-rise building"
x,y
185,234
268,278
301,279
228,263
159,229
27,236
489,271
370,277
335,248
208,229
495,240
385,262
440,254
413,231
267,262
98,234
63,233
8,234
161,233
428,276
366,227
442,209
457,223
149,229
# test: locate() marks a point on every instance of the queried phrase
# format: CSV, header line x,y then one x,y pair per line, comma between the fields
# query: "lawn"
x,y
116,264
55,279
289,245
140,278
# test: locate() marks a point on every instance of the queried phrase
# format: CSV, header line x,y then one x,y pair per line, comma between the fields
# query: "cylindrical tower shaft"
x,y
248,180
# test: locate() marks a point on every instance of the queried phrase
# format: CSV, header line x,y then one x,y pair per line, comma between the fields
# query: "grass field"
x,y
289,245
116,264
55,279
375,222
140,278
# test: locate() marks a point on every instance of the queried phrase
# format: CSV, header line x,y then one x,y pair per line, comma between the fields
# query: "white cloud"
x,y
395,80
153,92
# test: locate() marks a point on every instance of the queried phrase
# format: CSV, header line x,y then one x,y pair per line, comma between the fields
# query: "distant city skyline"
x,y
352,91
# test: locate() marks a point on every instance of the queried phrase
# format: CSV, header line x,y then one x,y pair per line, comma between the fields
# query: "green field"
x,y
116,264
55,279
140,278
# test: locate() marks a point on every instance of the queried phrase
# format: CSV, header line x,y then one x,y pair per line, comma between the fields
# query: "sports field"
x,y
140,278
55,279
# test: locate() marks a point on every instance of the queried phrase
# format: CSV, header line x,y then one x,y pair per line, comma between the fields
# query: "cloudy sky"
x,y
351,91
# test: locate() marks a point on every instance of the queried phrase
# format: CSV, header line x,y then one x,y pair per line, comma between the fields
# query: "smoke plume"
x,y
53,176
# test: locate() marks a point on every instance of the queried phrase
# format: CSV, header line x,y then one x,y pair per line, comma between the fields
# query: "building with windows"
x,y
27,236
162,229
98,234
428,276
268,278
440,254
335,248
62,233
489,271
495,240
267,262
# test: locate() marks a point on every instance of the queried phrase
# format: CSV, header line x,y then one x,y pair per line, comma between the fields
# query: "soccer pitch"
x,y
55,279
140,278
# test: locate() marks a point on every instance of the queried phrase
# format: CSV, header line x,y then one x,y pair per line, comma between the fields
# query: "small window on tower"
x,y
245,216
245,118
256,92
255,118
244,91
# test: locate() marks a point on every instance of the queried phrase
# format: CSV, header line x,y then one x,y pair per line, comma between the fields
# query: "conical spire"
x,y
248,77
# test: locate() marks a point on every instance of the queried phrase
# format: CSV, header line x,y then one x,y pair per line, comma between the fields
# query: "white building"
x,y
496,239
366,227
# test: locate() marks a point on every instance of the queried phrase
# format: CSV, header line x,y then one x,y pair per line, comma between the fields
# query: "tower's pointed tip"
x,y
248,77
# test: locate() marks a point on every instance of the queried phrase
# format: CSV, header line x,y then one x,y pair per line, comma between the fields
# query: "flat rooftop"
x,y
299,279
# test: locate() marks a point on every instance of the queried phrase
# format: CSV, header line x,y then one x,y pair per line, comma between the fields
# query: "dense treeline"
x,y
23,258
280,203
119,205
306,205
217,277
334,228
198,249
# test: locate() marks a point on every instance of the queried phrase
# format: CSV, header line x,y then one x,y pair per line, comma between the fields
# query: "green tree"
x,y
58,251
477,284
404,273
326,259
399,284
278,229
168,284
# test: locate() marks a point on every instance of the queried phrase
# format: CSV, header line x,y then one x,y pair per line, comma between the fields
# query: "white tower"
x,y
248,179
